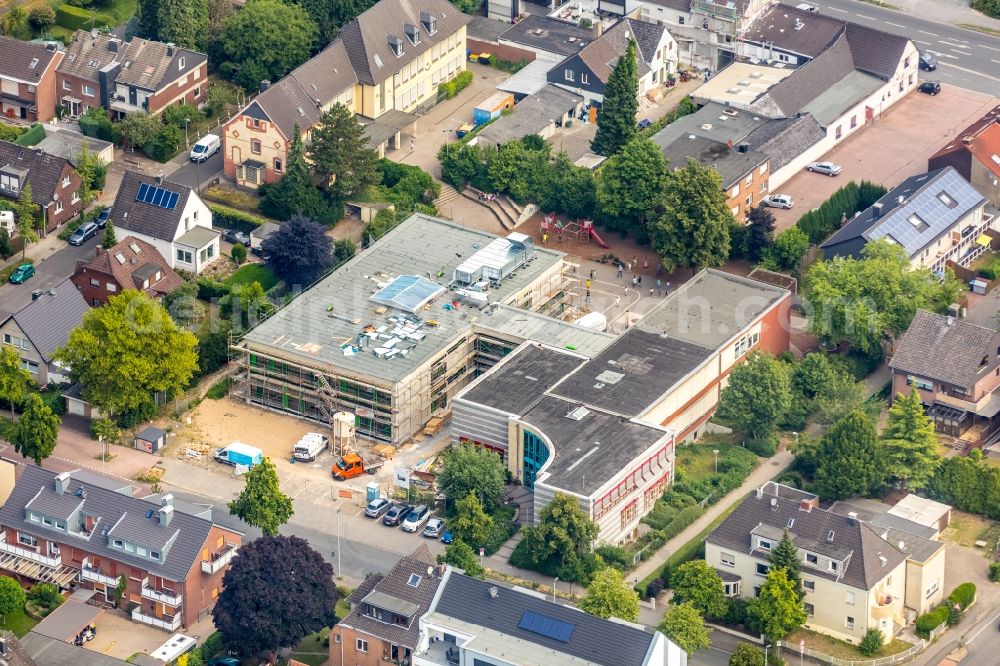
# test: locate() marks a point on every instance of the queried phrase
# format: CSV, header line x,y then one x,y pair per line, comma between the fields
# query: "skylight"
x,y
120,258
946,200
917,222
408,292
414,580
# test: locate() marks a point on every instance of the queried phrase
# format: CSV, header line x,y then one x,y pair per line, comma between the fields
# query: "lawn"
x,y
698,460
18,622
965,529
841,649
312,649
252,273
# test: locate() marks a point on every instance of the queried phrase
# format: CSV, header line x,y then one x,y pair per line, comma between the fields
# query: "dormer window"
x,y
396,44
34,63
412,33
180,63
430,23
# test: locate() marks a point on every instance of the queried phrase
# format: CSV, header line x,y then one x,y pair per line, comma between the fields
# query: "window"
x,y
629,513
731,589
112,286
30,366
748,201
763,168
680,20
727,559
180,63
584,79
854,122
94,282
67,85
255,146
809,585
762,569
184,256
810,609
735,192
850,598
256,123
26,539
59,207
140,551
749,180
74,197
197,91
361,646
906,62
850,622
765,545
88,90
118,543
31,89
568,74
921,384
763,187
277,164
834,566
33,517
811,558
931,590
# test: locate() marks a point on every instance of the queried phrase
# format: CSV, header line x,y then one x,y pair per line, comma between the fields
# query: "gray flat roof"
x,y
198,237
68,620
529,79
312,328
836,100
731,164
531,115
712,121
522,378
545,33
554,332
485,29
52,652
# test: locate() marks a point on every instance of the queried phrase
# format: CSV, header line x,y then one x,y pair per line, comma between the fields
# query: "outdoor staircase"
x,y
326,395
447,196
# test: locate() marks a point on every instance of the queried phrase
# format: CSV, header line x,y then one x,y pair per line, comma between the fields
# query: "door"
x,y
131,96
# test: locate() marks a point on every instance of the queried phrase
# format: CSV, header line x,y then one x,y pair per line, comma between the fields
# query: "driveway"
x,y
894,147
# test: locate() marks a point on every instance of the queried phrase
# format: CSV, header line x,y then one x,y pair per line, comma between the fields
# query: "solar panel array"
x,y
407,292
157,196
938,216
543,625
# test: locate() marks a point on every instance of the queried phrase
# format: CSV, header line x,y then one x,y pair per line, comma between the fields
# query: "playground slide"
x,y
597,239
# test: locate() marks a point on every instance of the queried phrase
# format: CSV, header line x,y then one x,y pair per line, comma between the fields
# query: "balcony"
x,y
167,598
220,560
27,554
94,575
167,622
438,653
120,103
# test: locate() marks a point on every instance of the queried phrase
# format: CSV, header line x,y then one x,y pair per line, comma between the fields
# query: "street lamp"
x,y
554,589
716,452
187,142
340,569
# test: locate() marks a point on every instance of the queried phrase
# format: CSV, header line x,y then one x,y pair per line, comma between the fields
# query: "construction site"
x,y
391,336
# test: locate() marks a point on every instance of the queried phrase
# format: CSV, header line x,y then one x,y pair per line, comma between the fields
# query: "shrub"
x,y
763,447
34,135
614,556
988,7
11,132
963,595
220,389
871,643
931,620
105,428
45,594
239,253
995,572
456,85
230,218
212,645
42,17
654,588
502,530
96,124
736,611
78,18
823,221
209,289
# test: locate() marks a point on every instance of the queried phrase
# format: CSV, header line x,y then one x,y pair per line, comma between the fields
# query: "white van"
x,y
207,146
310,446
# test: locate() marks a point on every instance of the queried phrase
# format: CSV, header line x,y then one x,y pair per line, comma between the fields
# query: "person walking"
x,y
587,283
650,292
593,274
618,299
645,263
545,239
621,270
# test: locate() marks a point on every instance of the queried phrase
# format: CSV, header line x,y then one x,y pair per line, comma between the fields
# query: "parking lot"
x,y
894,147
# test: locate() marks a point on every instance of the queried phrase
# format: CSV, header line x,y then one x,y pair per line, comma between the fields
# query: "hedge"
x,y
33,136
456,85
963,595
78,18
931,620
209,289
230,218
848,200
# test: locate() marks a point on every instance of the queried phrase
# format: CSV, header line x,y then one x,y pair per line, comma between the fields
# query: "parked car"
x,y
377,507
778,201
207,146
396,514
807,7
83,233
102,220
224,660
930,87
447,537
827,168
928,61
416,518
644,123
22,273
235,236
434,528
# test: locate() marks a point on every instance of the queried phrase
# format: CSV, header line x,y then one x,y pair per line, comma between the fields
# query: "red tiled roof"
x,y
129,267
986,148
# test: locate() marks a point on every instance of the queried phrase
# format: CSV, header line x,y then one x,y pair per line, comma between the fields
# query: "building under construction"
x,y
396,332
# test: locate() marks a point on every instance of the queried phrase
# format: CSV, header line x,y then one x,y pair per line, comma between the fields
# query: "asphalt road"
x,y
50,272
982,642
965,58
189,172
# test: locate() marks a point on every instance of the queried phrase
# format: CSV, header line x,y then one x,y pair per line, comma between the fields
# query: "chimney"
x,y
113,46
159,179
165,513
167,500
170,49
598,29
876,210
967,140
99,250
743,148
62,482
852,517
493,592
760,492
951,320
805,505
264,85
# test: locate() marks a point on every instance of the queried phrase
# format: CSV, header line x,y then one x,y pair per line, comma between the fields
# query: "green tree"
x,y
128,350
246,305
141,128
25,209
295,192
15,23
616,120
109,236
35,433
42,17
568,189
630,184
786,556
746,654
684,626
5,248
149,19
471,523
849,459
759,232
811,374
460,554
787,251
841,395
183,22
911,445
340,154
698,584
265,40
472,469
93,173
561,543
300,252
608,596
757,395
261,502
693,228
12,596
777,610
14,380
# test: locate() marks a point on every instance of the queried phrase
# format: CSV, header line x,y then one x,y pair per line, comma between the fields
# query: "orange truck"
x,y
353,464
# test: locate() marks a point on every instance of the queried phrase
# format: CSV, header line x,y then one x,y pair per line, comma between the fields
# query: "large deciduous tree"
x,y
746,654
568,189
471,523
183,22
35,433
277,591
299,251
561,543
340,154
684,626
692,229
759,232
616,119
14,380
472,469
777,610
261,502
698,584
12,596
608,596
265,40
128,350
911,445
757,395
629,186
850,459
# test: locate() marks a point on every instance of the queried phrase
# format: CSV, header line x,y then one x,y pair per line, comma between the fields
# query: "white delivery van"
x,y
207,146
310,446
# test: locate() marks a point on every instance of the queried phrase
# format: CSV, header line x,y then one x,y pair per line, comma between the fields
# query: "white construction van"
x,y
310,446
207,146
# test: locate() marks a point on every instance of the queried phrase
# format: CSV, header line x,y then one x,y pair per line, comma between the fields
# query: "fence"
x,y
820,657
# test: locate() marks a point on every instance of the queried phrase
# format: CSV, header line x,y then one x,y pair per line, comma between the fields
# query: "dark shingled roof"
x,y
135,267
48,321
947,352
550,34
853,540
327,74
16,57
286,103
602,54
154,65
44,170
784,139
813,78
15,654
777,26
127,214
594,640
395,584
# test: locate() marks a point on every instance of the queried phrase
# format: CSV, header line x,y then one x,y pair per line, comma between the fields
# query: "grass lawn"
x,y
248,273
698,461
965,529
841,649
18,622
311,650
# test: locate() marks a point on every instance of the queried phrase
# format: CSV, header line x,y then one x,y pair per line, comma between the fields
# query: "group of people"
x,y
488,196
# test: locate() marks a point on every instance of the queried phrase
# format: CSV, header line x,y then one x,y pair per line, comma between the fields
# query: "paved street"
x,y
188,173
966,58
50,272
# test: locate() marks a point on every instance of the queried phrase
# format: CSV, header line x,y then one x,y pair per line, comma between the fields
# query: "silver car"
x,y
778,201
828,168
434,528
377,507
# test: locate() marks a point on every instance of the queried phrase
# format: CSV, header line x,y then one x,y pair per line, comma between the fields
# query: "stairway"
x,y
448,195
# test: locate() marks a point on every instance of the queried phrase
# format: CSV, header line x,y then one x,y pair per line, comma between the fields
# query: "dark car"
x,y
930,87
83,233
22,273
644,123
233,236
102,220
224,661
396,514
928,61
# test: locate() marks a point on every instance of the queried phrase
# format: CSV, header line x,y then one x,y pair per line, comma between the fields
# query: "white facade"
x,y
182,253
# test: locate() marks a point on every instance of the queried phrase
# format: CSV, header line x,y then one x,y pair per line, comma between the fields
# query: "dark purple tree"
x,y
299,251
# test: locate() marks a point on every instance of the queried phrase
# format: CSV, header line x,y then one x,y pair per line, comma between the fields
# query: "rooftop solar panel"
x,y
543,625
157,196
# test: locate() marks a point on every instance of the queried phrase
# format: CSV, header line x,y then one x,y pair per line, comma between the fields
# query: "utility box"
x,y
150,440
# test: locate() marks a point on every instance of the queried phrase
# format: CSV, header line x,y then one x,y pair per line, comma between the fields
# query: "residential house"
x,y
955,367
12,652
473,621
546,37
27,80
853,579
155,75
382,66
55,184
85,529
936,217
744,172
384,625
587,72
85,77
131,264
41,327
540,113
170,217
975,154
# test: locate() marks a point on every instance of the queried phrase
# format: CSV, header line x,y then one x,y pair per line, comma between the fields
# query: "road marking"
x,y
922,42
996,61
944,55
932,34
868,18
955,46
895,24
983,46
837,9
988,624
971,71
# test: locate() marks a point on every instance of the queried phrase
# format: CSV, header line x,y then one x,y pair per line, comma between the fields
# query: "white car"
x,y
778,201
415,519
828,168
